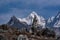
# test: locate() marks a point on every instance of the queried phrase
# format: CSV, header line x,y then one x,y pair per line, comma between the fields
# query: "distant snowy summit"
x,y
54,21
25,22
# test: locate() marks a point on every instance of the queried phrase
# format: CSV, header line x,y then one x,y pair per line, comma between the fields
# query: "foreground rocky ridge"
x,y
10,33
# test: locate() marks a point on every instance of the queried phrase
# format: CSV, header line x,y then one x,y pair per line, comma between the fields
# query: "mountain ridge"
x,y
53,21
28,20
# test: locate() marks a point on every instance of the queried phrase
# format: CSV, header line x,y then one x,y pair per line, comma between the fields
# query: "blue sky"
x,y
22,8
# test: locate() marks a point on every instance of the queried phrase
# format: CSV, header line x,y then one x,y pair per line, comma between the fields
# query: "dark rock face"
x,y
48,33
2,38
16,23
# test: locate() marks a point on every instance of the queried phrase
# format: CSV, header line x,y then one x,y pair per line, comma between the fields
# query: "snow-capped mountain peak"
x,y
58,15
57,18
28,20
33,13
12,20
40,19
55,22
